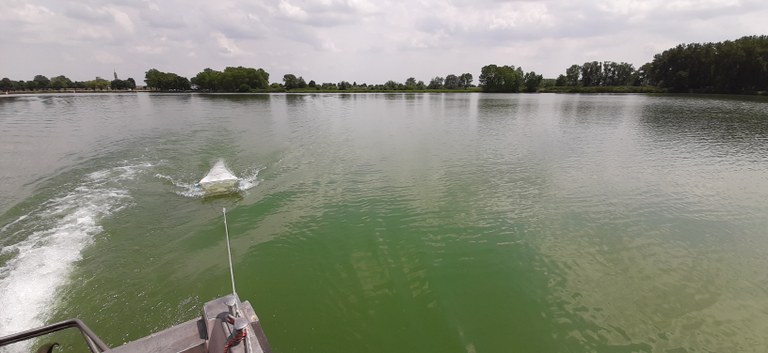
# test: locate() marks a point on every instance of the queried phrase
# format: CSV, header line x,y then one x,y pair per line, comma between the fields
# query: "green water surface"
x,y
402,222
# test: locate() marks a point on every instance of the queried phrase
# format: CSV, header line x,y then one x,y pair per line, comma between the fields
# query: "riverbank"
x,y
602,89
547,89
71,91
312,90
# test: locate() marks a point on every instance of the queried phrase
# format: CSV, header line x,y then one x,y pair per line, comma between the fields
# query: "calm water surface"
x,y
395,222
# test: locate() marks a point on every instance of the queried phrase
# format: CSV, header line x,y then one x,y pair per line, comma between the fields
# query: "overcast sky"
x,y
368,41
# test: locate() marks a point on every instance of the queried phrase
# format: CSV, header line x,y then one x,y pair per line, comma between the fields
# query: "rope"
x,y
235,340
229,256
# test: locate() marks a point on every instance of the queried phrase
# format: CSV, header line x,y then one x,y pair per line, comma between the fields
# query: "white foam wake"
x,y
183,188
57,232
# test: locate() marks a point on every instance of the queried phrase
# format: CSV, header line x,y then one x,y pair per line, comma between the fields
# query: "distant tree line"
x,y
61,82
449,82
739,66
606,73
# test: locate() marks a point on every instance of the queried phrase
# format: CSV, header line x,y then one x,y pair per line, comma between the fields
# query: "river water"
x,y
395,222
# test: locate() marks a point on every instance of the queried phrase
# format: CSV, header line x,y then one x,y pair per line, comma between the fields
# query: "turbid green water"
x,y
395,222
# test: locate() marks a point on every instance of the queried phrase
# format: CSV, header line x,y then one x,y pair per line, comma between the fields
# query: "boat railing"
x,y
95,344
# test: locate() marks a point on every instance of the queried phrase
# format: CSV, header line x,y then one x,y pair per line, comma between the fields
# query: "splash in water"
x,y
192,189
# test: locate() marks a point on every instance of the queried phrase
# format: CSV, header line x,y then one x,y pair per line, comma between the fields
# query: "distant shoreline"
x,y
67,91
548,89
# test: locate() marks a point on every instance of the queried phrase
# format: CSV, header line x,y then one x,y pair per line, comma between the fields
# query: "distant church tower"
x,y
114,72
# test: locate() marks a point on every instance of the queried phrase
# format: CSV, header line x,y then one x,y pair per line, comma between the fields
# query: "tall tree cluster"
x,y
508,78
232,79
595,73
739,66
290,81
118,84
451,81
166,81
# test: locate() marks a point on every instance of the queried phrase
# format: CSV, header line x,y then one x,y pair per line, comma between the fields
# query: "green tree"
x,y
117,84
410,83
41,82
21,85
452,82
153,78
737,66
231,79
165,81
505,78
435,83
234,77
640,76
61,82
491,79
208,80
532,81
98,84
391,85
465,80
591,74
560,81
623,74
290,81
572,75
180,83
6,84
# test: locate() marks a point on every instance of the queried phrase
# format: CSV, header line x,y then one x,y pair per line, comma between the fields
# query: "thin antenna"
x,y
229,256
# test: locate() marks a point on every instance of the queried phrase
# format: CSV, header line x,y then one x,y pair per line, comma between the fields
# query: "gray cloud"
x,y
362,40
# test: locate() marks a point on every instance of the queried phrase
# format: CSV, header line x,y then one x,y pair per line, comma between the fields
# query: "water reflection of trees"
x,y
236,97
725,126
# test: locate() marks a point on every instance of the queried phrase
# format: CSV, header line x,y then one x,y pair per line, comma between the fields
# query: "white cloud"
x,y
516,15
636,9
292,11
31,13
122,19
227,46
331,40
103,57
148,49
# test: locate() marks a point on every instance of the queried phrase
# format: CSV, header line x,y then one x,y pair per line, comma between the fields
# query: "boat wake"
x,y
183,188
40,247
